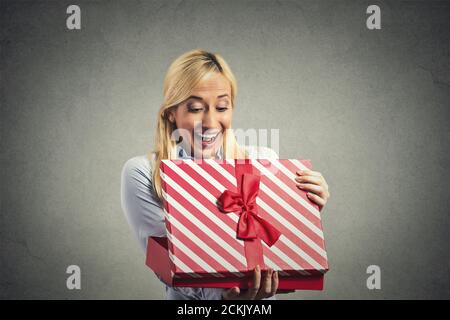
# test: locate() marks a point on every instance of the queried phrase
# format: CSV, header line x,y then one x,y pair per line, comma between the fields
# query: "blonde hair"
x,y
182,77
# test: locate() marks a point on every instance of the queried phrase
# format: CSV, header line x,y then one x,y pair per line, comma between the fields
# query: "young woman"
x,y
194,121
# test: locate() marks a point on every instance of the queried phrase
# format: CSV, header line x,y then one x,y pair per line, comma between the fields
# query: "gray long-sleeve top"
x,y
145,215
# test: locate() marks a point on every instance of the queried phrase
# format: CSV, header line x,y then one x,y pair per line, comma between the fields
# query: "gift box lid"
x,y
202,239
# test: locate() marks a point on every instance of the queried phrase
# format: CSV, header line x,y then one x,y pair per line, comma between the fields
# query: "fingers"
x,y
315,185
274,287
315,198
231,294
254,289
319,190
250,294
259,289
310,173
311,179
266,285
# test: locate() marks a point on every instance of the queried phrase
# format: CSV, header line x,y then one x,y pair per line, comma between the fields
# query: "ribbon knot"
x,y
250,224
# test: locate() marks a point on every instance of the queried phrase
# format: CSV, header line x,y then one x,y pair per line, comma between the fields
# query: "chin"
x,y
209,153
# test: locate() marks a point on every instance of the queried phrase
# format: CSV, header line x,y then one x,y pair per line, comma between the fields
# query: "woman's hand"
x,y
259,289
315,183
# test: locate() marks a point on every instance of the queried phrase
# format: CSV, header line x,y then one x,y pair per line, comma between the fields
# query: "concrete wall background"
x,y
369,108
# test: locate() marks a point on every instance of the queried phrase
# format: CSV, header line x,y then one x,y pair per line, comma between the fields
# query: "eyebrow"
x,y
200,98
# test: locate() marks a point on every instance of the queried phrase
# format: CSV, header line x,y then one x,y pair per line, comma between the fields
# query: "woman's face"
x,y
204,116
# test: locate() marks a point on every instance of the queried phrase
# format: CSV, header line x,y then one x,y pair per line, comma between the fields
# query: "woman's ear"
x,y
171,116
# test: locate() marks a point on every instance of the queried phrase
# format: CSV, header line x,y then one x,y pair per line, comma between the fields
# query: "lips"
x,y
207,138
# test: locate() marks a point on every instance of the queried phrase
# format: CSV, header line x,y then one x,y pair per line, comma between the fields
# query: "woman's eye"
x,y
222,108
194,109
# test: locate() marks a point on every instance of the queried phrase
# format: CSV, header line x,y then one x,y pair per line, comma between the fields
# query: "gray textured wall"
x,y
370,108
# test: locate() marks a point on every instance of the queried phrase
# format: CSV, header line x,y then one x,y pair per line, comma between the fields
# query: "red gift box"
x,y
223,217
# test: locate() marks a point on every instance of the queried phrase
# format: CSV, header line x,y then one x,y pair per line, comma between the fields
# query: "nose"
x,y
210,121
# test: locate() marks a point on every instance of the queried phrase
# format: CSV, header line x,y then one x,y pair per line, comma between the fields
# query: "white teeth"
x,y
208,137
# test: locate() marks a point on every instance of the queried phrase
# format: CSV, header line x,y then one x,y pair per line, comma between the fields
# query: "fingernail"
x,y
300,186
308,194
299,172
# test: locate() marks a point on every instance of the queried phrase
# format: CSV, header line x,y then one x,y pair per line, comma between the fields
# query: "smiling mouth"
x,y
207,138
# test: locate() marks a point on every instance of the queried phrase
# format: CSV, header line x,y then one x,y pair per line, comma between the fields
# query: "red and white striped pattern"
x,y
202,239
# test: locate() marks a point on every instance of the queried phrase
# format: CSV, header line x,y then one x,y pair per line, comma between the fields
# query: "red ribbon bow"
x,y
250,225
